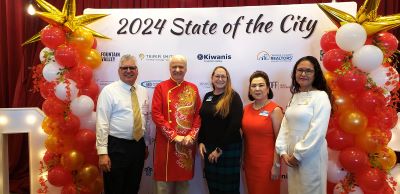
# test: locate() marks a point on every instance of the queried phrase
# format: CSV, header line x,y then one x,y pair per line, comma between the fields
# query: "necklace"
x,y
258,107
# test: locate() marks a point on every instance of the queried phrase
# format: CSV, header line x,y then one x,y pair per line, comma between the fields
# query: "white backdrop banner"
x,y
243,39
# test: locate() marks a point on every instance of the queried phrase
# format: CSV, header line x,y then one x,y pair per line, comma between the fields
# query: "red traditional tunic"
x,y
175,111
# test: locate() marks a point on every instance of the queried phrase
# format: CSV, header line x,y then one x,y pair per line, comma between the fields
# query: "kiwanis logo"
x,y
213,58
265,56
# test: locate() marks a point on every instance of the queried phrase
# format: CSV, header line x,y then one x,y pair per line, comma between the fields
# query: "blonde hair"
x,y
223,106
177,59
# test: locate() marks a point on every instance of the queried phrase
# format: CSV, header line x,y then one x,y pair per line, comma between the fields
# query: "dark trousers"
x,y
127,160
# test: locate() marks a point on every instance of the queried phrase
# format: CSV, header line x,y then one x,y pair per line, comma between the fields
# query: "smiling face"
x,y
219,79
177,70
128,72
305,75
259,88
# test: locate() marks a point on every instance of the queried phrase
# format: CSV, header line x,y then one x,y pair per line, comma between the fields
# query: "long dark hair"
x,y
263,75
319,82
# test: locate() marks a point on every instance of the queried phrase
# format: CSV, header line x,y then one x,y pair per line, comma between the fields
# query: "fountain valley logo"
x,y
213,58
265,56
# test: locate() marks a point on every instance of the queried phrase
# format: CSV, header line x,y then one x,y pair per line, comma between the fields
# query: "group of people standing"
x,y
256,137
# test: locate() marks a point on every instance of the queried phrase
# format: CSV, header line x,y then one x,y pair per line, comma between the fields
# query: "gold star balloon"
x,y
367,16
65,18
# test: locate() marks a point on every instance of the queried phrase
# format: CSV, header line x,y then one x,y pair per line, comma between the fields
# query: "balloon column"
x,y
359,61
65,80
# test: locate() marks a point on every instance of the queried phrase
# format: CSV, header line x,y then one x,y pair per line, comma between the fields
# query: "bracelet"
x,y
218,150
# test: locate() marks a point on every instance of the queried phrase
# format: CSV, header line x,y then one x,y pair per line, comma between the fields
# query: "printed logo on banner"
x,y
148,171
203,86
109,56
150,83
281,57
278,85
154,57
213,58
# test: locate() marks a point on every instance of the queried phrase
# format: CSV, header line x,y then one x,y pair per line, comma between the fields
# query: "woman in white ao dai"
x,y
301,141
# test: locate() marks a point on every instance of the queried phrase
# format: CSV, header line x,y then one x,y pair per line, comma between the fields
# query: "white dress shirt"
x,y
115,115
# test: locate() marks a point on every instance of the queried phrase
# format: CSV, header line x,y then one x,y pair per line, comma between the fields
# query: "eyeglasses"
x,y
220,76
305,71
130,68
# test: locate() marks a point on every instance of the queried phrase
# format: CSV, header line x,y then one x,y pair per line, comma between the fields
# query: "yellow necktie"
x,y
137,117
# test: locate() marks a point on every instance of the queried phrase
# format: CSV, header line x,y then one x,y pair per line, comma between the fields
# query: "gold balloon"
x,y
366,16
337,16
72,160
382,24
387,158
65,18
342,101
368,11
353,121
92,59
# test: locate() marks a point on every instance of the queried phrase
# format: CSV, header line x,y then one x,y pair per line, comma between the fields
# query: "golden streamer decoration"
x,y
367,16
66,18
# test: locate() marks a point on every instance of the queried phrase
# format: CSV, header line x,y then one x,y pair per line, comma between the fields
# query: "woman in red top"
x,y
260,124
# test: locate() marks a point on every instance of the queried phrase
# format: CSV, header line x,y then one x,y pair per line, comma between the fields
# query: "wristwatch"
x,y
219,151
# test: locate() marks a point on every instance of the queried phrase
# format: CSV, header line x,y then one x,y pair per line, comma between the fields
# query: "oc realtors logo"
x,y
265,56
150,83
213,58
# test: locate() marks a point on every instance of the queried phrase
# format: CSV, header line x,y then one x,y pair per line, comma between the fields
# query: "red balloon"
x,y
338,139
81,74
58,176
371,180
47,89
51,159
52,36
353,159
352,81
53,107
387,118
85,140
66,56
91,157
368,41
69,189
334,59
370,102
387,42
70,125
328,41
92,91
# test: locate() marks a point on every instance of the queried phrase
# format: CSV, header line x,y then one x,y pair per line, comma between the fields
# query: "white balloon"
x,y
394,143
62,88
351,37
89,121
368,58
82,105
51,71
385,77
336,173
46,55
339,189
333,155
